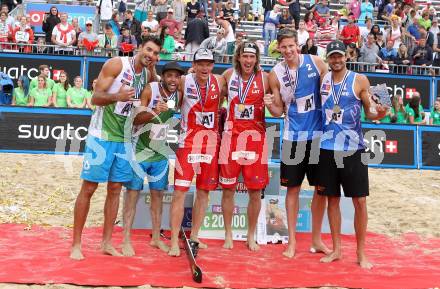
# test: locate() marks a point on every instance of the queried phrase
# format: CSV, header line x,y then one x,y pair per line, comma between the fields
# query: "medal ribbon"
x,y
242,96
139,86
172,96
202,100
293,84
337,96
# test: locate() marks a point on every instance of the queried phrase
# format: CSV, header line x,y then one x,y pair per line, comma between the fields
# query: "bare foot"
x,y
333,256
229,244
160,245
127,249
319,248
201,244
363,262
252,245
290,251
75,253
174,251
109,250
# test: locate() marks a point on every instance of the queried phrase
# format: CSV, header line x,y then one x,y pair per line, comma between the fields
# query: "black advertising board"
x,y
397,144
16,65
405,86
429,153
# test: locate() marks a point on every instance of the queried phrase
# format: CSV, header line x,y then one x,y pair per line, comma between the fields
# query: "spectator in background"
x,y
429,9
295,10
90,95
146,31
427,35
108,41
389,8
229,34
268,5
422,56
179,8
303,35
77,29
41,47
311,26
413,30
122,8
105,11
114,23
151,23
380,43
354,8
88,40
435,30
40,95
245,8
44,71
132,25
271,21
63,35
324,35
369,52
403,59
20,96
425,21
375,30
126,42
77,95
192,8
434,117
352,54
217,44
350,33
273,50
23,34
414,110
309,47
216,8
168,44
394,33
196,31
365,30
204,6
9,19
388,54
29,23
140,10
161,9
228,14
172,24
286,21
239,38
367,10
398,113
321,11
334,21
50,20
59,91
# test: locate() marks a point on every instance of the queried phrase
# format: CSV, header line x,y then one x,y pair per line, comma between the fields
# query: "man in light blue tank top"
x,y
343,93
295,87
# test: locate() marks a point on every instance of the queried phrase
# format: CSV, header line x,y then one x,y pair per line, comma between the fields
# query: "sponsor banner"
x,y
406,86
35,130
391,145
429,150
82,13
16,65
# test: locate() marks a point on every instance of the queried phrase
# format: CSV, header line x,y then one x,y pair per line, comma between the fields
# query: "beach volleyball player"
x,y
243,146
120,82
295,86
343,94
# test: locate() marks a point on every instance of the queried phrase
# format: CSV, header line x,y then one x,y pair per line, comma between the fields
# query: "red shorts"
x,y
247,153
202,162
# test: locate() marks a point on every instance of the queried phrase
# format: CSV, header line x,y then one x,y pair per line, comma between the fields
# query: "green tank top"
x,y
401,118
41,96
435,115
109,122
77,95
34,83
151,145
20,98
61,95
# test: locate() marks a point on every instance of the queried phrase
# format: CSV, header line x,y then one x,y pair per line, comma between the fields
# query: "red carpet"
x,y
41,256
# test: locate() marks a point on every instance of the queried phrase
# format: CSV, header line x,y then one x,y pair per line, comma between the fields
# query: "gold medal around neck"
x,y
241,107
336,108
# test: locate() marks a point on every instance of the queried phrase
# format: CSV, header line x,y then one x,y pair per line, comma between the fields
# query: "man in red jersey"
x,y
243,146
198,144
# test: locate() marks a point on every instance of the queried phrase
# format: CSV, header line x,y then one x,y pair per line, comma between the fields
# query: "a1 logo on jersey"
x,y
244,111
205,118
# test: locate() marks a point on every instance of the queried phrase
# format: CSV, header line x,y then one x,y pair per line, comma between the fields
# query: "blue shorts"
x,y
106,161
157,175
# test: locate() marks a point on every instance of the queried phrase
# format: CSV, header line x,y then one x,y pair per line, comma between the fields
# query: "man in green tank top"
x,y
107,154
158,104
44,70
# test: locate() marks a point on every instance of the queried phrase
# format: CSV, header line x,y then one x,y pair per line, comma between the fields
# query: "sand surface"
x,y
41,189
